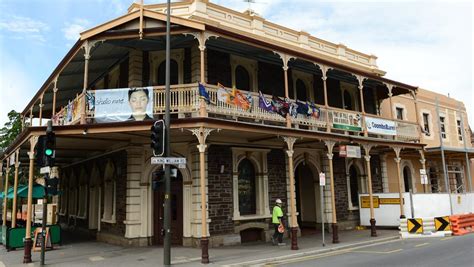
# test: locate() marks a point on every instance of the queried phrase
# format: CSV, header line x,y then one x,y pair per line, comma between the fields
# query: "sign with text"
x,y
380,126
322,179
168,160
346,121
349,152
123,104
365,201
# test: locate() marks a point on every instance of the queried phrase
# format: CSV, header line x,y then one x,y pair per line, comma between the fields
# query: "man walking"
x,y
277,220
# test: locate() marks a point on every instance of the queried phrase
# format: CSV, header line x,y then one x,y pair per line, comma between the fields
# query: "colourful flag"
x,y
302,108
240,100
204,94
223,95
264,103
315,111
280,106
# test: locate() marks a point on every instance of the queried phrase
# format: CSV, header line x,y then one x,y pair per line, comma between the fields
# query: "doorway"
x,y
176,211
307,198
407,179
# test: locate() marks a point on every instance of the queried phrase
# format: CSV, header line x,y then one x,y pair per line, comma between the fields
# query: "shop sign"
x,y
380,126
346,121
349,152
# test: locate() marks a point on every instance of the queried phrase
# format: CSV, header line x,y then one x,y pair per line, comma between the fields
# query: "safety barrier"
x,y
425,227
462,224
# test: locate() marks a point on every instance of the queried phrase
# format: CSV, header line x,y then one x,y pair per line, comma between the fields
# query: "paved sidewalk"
x,y
91,253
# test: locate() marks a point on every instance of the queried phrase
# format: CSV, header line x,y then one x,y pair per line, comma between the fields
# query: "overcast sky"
x,y
422,43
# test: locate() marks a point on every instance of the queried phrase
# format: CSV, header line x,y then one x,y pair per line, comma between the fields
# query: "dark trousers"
x,y
277,235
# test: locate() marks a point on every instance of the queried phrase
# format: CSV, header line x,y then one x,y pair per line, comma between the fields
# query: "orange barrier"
x,y
462,224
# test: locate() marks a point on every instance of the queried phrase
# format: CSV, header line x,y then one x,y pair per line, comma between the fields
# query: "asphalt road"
x,y
447,251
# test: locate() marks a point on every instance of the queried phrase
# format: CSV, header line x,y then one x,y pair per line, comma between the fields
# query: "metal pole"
x,y
43,228
167,201
321,193
445,172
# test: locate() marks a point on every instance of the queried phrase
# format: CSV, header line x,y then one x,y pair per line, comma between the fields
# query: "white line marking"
x,y
420,245
96,258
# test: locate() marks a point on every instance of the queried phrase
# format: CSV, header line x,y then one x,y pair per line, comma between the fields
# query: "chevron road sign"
x,y
442,223
415,226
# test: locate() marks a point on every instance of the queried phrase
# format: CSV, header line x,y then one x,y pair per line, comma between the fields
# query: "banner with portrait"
x,y
123,104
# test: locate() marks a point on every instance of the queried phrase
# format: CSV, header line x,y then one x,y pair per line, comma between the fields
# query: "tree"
x,y
10,130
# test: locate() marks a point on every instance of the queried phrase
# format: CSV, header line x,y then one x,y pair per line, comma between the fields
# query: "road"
x,y
447,251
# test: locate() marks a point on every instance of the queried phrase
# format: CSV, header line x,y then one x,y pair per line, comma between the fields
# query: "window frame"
x,y
426,123
459,129
399,111
442,126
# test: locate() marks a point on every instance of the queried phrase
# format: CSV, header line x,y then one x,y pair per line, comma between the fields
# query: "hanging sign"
x,y
346,121
423,176
322,179
380,126
349,152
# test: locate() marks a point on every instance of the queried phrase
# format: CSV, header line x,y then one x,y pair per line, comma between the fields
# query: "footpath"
x,y
91,253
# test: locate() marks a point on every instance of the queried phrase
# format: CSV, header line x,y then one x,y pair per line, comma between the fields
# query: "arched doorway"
x,y
354,185
407,178
307,198
176,210
242,79
174,72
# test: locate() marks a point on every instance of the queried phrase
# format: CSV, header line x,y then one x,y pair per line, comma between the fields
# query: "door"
x,y
176,211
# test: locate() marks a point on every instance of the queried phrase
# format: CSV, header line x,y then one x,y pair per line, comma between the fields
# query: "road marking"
x,y
422,244
378,252
96,258
310,257
1,264
447,238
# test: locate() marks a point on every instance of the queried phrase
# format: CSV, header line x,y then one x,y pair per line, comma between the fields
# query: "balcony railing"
x,y
185,101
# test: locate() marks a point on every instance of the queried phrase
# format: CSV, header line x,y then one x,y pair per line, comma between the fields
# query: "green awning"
x,y
22,191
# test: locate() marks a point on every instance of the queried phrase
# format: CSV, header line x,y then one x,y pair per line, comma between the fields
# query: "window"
x,y
426,125
242,78
399,112
443,127
354,186
174,71
247,196
301,90
458,122
109,193
347,100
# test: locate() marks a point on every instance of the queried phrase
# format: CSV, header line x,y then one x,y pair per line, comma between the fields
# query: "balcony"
x,y
186,102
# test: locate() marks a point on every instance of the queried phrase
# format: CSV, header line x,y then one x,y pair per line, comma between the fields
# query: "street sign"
x,y
349,152
424,178
322,179
44,170
422,171
415,226
442,223
168,160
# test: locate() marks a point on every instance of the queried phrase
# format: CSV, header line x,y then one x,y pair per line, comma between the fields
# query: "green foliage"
x,y
10,130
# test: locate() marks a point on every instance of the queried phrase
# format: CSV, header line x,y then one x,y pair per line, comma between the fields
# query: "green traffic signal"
x,y
48,152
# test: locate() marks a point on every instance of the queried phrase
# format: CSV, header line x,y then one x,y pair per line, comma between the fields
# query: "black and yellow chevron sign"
x,y
415,226
442,223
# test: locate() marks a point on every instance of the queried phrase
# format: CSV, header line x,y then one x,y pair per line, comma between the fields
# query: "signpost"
x,y
167,161
322,183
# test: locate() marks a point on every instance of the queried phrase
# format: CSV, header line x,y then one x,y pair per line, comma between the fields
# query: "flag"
x,y
314,111
204,94
90,100
280,106
293,108
250,99
240,100
223,95
263,103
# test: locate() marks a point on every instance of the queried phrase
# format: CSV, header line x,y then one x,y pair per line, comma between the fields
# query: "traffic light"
x,y
39,151
158,138
51,185
158,177
49,146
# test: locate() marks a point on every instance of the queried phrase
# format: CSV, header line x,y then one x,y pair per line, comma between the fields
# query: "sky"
x,y
422,43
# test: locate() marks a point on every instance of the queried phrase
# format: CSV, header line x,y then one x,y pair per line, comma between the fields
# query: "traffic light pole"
x,y
167,200
43,228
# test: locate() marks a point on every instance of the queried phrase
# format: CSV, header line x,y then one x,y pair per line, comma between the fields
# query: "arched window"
x,y
242,78
174,72
347,100
407,178
247,192
354,185
301,90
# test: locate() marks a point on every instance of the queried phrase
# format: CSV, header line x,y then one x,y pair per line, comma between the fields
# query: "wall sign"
x,y
380,126
346,121
349,152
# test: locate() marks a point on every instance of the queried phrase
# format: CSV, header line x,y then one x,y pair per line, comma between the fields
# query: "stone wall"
x,y
277,176
220,190
340,188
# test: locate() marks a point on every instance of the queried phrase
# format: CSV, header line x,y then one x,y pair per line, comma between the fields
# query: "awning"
x,y
38,191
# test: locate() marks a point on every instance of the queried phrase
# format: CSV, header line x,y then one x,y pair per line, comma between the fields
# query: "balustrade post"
x,y
330,147
324,70
390,88
55,90
290,141
400,189
5,199
361,79
41,110
15,188
423,165
417,114
286,58
28,243
367,148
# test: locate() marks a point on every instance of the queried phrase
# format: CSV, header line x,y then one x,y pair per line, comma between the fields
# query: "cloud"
x,y
19,27
73,29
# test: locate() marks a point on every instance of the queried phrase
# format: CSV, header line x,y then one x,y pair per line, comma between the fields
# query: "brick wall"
x,y
276,176
220,190
340,188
